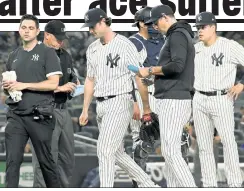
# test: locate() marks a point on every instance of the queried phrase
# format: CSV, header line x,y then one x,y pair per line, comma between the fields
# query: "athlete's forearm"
x,y
47,85
157,70
88,93
144,95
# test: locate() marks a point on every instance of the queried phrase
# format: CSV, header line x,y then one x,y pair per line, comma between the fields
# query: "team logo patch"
x,y
35,57
217,60
112,61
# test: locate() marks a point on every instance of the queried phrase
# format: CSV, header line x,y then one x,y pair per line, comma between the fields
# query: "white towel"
x,y
11,76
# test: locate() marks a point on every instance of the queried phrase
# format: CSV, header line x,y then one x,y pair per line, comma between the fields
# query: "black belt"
x,y
60,105
214,93
100,99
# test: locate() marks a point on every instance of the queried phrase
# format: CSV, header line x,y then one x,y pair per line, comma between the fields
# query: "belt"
x,y
214,93
100,99
60,105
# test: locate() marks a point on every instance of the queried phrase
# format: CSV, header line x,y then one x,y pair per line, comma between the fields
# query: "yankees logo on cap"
x,y
86,18
199,18
93,16
205,18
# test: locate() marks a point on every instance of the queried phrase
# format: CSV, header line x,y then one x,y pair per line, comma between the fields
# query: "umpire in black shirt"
x,y
174,76
38,71
63,135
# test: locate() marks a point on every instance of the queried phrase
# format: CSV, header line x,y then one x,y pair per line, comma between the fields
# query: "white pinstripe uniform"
x,y
114,114
134,124
215,70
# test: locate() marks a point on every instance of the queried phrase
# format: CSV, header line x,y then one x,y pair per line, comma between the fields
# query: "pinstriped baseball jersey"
x,y
108,64
215,66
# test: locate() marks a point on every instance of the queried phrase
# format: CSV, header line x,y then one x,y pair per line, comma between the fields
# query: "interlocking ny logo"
x,y
217,60
86,18
35,57
113,61
199,18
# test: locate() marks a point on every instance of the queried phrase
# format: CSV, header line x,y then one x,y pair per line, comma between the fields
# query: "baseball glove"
x,y
149,131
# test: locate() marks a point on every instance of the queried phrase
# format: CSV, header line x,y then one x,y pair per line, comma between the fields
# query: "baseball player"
x,y
215,70
110,81
173,85
148,43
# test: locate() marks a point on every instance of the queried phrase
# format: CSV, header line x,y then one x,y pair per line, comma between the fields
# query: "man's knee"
x,y
170,153
105,152
14,161
228,140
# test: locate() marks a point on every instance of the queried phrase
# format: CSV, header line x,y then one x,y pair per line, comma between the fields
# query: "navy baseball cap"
x,y
158,12
205,18
142,15
56,28
93,16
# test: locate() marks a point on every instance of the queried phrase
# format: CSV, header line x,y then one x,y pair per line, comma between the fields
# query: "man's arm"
x,y
178,51
73,79
88,93
133,59
237,57
7,68
143,90
48,85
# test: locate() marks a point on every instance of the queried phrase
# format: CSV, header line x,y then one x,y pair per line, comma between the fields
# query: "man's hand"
x,y
69,87
236,90
143,72
83,120
136,115
6,84
27,148
17,86
217,139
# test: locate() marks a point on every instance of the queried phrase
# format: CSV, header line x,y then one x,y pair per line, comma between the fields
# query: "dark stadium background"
x,y
85,137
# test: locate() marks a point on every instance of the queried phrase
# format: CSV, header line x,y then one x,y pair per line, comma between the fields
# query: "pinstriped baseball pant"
x,y
113,117
134,124
173,115
219,111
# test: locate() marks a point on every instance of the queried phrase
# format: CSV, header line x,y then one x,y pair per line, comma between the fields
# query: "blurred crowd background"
x,y
77,45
